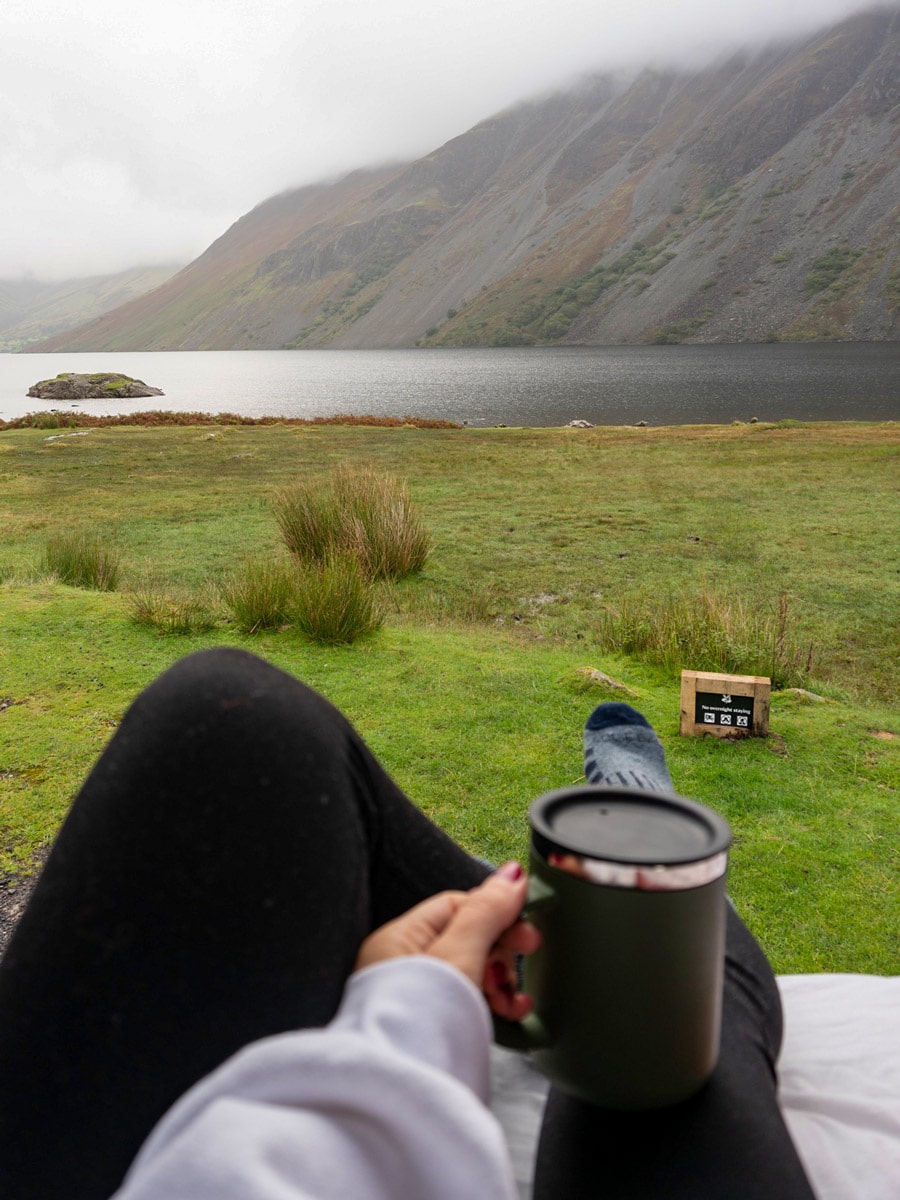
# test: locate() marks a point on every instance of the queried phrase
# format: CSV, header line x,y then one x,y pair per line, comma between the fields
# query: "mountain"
x,y
755,199
31,311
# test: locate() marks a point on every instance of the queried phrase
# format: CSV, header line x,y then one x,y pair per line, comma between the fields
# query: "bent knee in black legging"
x,y
225,776
231,690
225,727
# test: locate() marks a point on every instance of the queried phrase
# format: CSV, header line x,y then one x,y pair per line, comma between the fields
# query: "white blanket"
x,y
840,1086
840,1082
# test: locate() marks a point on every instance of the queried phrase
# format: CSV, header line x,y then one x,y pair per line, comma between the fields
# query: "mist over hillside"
x,y
31,310
752,200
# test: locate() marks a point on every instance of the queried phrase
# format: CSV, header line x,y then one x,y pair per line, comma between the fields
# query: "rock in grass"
x,y
102,385
601,679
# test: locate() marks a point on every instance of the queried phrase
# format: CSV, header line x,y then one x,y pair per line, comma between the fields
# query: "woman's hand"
x,y
480,932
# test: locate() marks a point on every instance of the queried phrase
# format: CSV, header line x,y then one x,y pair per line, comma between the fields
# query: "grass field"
x,y
474,692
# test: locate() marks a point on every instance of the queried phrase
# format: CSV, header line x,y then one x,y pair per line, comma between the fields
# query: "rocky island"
x,y
102,385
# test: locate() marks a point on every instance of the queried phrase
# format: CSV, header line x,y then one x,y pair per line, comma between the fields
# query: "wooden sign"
x,y
724,705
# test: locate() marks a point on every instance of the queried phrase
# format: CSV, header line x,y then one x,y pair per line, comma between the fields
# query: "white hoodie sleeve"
x,y
389,1100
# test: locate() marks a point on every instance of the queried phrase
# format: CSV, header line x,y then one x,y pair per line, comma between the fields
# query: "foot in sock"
x,y
622,750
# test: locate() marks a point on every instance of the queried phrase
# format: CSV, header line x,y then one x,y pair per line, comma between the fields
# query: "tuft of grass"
x,y
82,558
261,593
395,542
310,522
708,632
54,419
359,513
337,602
170,614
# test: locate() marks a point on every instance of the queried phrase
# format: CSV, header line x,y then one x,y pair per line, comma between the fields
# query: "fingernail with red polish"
x,y
499,973
501,979
511,871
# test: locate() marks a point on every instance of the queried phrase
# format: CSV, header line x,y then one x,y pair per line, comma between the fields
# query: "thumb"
x,y
482,916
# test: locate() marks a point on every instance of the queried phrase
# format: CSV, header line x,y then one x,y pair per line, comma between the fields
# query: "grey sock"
x,y
621,750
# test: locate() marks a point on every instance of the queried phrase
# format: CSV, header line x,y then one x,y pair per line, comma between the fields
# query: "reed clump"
x,y
357,513
83,558
708,632
171,614
336,602
261,593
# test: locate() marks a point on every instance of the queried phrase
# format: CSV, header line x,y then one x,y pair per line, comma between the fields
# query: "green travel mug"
x,y
628,890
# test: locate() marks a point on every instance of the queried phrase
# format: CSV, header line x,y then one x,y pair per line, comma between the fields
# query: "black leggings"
x,y
223,861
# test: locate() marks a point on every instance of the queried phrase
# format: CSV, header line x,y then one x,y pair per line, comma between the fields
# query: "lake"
x,y
606,385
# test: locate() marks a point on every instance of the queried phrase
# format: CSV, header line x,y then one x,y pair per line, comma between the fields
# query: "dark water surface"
x,y
607,385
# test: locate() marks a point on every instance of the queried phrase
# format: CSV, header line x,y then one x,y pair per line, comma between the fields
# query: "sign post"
x,y
724,705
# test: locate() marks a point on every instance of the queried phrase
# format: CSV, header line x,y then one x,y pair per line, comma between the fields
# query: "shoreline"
x,y
159,418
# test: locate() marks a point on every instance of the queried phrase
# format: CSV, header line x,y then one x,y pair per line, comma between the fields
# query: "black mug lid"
x,y
626,825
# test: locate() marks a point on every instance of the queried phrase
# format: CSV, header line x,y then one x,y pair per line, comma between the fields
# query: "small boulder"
x,y
601,679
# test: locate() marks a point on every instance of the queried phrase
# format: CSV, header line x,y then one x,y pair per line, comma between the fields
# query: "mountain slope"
x,y
31,311
755,199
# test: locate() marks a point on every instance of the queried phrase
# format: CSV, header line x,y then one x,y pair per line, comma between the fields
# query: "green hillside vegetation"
x,y
562,562
829,269
542,321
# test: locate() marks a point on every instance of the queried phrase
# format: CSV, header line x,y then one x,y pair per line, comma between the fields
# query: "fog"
x,y
136,134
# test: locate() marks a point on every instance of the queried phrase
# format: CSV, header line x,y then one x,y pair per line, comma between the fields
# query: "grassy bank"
x,y
475,691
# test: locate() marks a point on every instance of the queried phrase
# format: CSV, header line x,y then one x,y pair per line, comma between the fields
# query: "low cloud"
x,y
134,136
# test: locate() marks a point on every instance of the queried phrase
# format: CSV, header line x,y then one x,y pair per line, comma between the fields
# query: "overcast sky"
x,y
137,132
